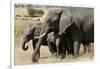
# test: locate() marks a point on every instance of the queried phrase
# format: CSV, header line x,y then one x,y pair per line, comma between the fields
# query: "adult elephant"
x,y
79,23
31,33
71,21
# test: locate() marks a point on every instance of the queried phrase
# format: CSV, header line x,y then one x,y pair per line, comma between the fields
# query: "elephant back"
x,y
75,15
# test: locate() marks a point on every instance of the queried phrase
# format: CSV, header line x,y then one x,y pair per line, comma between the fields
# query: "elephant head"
x,y
29,35
51,22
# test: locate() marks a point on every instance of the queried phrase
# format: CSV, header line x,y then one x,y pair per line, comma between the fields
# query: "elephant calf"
x,y
30,35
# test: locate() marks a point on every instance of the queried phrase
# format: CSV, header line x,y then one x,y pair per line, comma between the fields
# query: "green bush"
x,y
36,13
40,12
32,12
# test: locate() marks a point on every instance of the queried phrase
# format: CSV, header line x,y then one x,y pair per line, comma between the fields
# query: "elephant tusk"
x,y
40,36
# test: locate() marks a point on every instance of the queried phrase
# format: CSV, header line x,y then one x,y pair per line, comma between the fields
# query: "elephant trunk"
x,y
23,46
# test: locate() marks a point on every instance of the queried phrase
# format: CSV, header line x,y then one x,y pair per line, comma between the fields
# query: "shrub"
x,y
35,12
40,12
32,12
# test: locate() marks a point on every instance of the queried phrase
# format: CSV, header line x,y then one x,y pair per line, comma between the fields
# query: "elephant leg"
x,y
70,50
69,46
54,49
38,55
61,50
51,46
34,55
76,48
85,48
51,42
57,46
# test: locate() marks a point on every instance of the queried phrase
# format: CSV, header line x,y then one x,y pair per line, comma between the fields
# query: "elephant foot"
x,y
75,56
54,54
71,53
62,56
85,49
34,60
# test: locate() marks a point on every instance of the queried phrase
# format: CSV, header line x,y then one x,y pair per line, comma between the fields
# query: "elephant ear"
x,y
53,12
65,21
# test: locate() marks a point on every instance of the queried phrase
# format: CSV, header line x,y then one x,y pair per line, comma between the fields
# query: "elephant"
x,y
80,26
76,22
31,34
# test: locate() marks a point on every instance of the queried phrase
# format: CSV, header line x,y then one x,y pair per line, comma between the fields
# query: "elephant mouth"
x,y
42,35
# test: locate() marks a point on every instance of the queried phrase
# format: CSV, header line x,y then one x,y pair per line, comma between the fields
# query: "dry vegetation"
x,y
24,57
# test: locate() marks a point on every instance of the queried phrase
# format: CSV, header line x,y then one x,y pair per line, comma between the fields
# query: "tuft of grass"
x,y
18,32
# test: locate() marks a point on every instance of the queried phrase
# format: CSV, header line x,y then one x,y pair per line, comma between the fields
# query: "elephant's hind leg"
x,y
76,48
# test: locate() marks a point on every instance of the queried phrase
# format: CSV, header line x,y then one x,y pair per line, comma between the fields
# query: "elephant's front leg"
x,y
51,46
61,50
57,46
76,48
51,42
37,49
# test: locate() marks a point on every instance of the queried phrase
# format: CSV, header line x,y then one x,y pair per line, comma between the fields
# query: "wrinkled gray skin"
x,y
30,35
78,22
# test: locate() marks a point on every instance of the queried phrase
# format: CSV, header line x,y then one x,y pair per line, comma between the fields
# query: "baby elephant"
x,y
31,34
